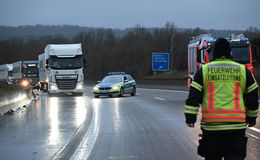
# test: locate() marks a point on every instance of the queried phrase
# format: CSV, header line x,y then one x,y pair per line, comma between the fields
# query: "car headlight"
x,y
115,87
95,88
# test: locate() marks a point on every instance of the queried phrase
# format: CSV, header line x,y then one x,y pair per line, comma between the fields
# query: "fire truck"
x,y
200,52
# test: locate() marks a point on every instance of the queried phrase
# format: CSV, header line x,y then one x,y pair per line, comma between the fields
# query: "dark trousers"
x,y
230,145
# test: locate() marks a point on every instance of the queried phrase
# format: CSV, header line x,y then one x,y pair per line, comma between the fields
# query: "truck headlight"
x,y
53,87
79,86
25,83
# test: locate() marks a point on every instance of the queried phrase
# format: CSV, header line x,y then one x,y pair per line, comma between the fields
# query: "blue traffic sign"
x,y
160,62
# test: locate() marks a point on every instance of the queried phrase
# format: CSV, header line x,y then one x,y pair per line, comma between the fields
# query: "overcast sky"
x,y
206,14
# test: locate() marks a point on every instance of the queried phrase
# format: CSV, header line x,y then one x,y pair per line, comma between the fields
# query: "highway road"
x,y
148,126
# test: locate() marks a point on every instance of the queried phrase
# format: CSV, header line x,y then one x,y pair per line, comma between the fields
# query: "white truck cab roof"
x,y
63,50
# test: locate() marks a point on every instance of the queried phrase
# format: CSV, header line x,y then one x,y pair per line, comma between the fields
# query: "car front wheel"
x,y
134,92
121,93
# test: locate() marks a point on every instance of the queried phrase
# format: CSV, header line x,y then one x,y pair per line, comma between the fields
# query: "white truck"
x,y
26,71
6,74
61,69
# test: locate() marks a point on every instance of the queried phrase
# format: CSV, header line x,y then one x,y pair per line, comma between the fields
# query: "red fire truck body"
x,y
200,52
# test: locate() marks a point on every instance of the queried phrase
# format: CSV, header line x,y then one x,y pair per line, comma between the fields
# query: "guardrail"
x,y
11,101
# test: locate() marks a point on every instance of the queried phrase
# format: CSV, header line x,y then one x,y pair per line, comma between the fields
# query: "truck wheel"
x,y
50,94
45,88
78,94
41,86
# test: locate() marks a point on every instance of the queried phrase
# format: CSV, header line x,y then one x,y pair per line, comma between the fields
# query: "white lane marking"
x,y
165,90
84,149
159,98
186,92
252,135
254,129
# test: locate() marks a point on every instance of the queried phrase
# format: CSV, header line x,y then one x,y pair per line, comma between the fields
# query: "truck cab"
x,y
26,73
61,69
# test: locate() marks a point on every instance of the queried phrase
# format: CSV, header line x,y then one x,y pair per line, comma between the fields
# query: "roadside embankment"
x,y
12,100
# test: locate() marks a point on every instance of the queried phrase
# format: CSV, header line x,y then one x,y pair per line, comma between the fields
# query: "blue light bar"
x,y
244,40
116,73
210,41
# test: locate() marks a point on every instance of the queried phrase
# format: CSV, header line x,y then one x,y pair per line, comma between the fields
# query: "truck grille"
x,y
104,88
66,83
32,75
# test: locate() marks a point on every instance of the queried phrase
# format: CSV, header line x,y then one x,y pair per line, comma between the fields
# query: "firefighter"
x,y
228,96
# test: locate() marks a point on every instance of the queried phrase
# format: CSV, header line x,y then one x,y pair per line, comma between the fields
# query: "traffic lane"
x,y
41,130
140,128
166,96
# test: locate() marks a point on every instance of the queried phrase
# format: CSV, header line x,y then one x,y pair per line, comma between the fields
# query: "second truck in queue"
x,y
26,73
61,69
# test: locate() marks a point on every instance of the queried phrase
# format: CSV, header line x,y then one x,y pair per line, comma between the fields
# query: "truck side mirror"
x,y
198,55
255,53
47,64
84,63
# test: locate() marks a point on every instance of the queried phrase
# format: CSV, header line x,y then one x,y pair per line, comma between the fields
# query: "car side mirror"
x,y
126,80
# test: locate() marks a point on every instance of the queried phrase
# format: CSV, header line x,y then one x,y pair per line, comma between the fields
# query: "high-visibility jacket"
x,y
224,85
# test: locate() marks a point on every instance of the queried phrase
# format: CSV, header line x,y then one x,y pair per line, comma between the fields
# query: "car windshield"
x,y
241,54
112,79
66,62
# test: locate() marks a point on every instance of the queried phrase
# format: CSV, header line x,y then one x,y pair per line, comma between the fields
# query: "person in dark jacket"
x,y
227,93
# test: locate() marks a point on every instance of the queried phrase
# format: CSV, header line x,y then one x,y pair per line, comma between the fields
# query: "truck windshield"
x,y
10,73
66,62
31,70
241,54
112,79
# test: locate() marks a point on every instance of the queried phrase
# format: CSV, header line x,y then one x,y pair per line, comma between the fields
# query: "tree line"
x,y
105,52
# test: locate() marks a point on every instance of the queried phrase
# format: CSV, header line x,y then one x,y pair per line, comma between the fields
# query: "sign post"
x,y
160,62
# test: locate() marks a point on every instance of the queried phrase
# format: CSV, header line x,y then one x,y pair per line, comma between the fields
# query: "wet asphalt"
x,y
148,126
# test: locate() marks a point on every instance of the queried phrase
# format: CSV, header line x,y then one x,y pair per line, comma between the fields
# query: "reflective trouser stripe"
x,y
237,88
210,95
